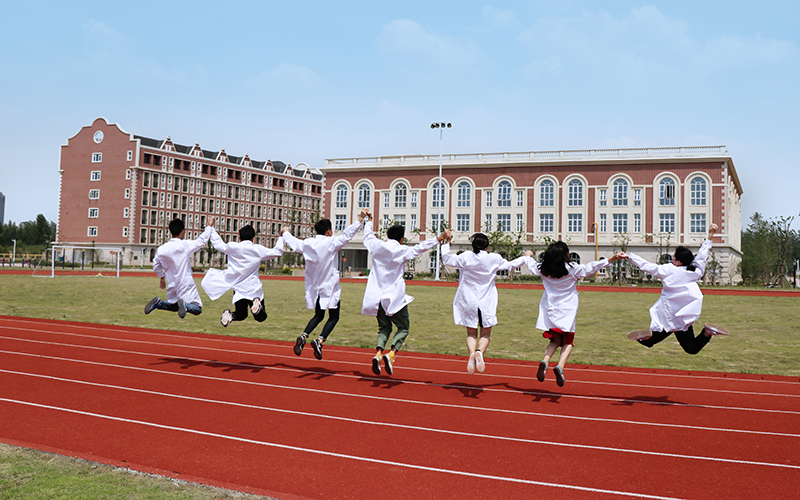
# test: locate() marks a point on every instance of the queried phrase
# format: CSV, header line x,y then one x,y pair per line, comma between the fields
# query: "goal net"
x,y
83,258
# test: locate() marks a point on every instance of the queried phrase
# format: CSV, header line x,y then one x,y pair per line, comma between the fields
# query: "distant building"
x,y
120,189
650,200
2,208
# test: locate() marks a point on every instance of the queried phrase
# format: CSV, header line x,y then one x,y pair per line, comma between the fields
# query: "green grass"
x,y
764,340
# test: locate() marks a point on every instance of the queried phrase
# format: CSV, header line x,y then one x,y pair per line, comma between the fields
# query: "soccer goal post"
x,y
75,255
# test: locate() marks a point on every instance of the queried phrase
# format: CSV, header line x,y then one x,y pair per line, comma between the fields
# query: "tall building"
x,y
120,189
597,201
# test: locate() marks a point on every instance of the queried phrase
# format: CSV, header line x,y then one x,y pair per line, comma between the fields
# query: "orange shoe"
x,y
388,361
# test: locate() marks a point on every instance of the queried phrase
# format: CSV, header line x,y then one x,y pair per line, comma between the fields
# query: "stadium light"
x,y
441,126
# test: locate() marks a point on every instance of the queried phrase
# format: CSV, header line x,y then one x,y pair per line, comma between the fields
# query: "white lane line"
x,y
423,370
407,381
406,401
340,455
399,426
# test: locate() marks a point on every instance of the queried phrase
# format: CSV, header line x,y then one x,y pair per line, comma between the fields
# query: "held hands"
x,y
364,215
712,230
211,221
618,256
446,235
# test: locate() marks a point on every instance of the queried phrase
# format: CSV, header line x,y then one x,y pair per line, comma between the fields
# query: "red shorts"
x,y
562,338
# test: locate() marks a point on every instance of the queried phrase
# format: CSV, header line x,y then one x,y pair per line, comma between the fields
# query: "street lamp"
x,y
14,252
441,126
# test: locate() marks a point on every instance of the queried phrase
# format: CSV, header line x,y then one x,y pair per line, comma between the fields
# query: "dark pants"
x,y
191,307
319,315
242,308
686,339
400,320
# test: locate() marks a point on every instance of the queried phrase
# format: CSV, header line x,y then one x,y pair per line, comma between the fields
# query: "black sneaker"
x,y
181,309
152,305
376,364
542,370
299,344
317,346
559,376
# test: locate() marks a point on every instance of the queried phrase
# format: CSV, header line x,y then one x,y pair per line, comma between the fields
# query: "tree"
x,y
769,248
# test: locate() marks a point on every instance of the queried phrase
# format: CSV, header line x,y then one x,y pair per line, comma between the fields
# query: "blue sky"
x,y
304,81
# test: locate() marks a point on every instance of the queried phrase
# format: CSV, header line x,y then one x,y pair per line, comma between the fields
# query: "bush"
x,y
286,270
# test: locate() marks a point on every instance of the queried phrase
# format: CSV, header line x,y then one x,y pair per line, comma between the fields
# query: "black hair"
x,y
479,242
176,227
555,260
685,257
322,226
247,233
396,232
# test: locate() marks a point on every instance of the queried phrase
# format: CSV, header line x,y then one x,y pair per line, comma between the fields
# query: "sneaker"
x,y
181,309
542,370
152,305
376,364
388,361
471,364
716,330
299,344
257,305
559,376
640,335
317,346
226,318
480,365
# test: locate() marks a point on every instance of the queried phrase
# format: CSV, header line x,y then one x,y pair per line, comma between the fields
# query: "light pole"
x,y
595,246
441,126
14,252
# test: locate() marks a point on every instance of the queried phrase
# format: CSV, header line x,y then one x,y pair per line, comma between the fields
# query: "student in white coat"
x,y
323,291
172,264
681,300
244,261
385,296
558,309
475,303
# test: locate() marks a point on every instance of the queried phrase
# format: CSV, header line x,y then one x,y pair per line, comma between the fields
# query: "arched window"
x,y
400,196
546,191
363,195
438,195
575,258
341,196
575,193
666,192
698,191
620,193
464,194
504,194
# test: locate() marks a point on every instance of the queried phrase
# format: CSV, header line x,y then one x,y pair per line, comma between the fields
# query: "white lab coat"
x,y
559,305
172,261
681,300
385,285
322,265
476,285
244,260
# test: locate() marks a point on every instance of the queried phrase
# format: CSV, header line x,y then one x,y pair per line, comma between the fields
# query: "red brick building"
x,y
595,200
120,189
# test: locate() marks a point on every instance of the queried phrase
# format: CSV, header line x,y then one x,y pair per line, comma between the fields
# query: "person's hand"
x,y
211,221
163,283
528,253
712,230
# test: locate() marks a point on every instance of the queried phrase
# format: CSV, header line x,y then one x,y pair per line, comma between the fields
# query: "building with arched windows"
x,y
598,201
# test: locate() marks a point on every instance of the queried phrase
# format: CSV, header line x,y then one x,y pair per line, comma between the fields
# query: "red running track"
x,y
249,415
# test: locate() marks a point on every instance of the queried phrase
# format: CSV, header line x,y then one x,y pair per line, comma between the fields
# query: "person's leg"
x,y
548,353
261,315
483,344
384,331
242,306
333,318
193,308
566,348
690,343
402,322
472,346
655,339
319,315
166,306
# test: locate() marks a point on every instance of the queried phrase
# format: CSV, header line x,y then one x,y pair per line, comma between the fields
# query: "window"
x,y
488,223
666,192
603,223
438,195
637,197
341,223
546,191
504,194
91,231
124,231
698,192
520,223
130,155
126,212
341,196
697,223
94,213
97,157
464,193
385,221
575,198
363,195
620,193
400,196
414,200
437,221
620,222
462,222
666,223
413,222
575,258
95,175
94,194
603,195
127,193
488,198
504,222
400,219
520,198
637,223
546,223
128,174
385,200
575,223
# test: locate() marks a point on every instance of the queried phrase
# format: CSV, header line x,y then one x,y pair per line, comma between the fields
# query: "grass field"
x,y
764,339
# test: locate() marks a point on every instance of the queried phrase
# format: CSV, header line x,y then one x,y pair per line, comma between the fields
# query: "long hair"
x,y
555,261
479,242
685,257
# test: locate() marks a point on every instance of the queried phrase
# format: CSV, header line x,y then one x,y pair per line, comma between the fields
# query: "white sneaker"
x,y
640,335
479,363
256,308
716,330
471,364
227,317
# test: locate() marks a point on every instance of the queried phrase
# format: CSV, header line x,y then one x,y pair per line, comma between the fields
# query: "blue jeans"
x,y
191,307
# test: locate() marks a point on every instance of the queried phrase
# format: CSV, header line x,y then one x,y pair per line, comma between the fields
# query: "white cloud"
x,y
285,76
498,18
405,38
